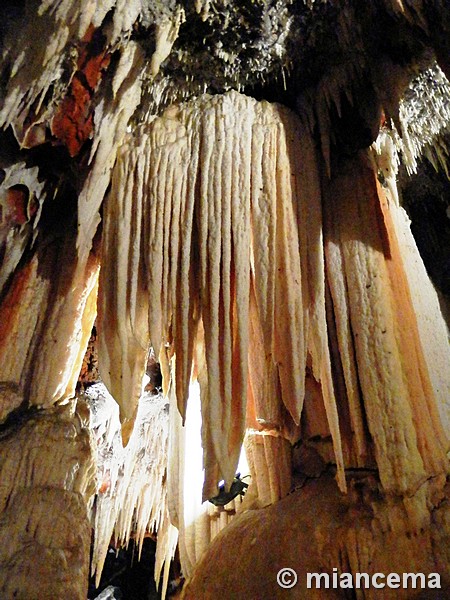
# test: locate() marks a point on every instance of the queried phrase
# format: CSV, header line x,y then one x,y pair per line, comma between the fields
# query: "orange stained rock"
x,y
73,123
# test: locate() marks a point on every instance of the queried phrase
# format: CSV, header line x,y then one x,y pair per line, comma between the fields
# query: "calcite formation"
x,y
196,180
355,533
345,285
228,205
387,389
46,475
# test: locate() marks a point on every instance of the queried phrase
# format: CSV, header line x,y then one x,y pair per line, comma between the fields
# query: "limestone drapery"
x,y
213,198
83,75
166,251
164,174
389,509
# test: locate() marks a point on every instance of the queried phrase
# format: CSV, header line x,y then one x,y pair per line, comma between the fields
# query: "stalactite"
x,y
424,119
226,199
344,358
123,342
132,491
166,34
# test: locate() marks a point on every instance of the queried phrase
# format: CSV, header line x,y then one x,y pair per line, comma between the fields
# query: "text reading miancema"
x,y
287,578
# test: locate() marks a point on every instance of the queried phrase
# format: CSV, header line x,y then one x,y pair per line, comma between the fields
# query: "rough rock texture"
x,y
316,529
392,414
337,358
46,484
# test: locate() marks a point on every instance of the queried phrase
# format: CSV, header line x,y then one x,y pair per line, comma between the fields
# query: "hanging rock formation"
x,y
215,184
208,202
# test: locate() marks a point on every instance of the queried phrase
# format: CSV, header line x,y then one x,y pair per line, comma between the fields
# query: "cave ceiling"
x,y
71,72
360,55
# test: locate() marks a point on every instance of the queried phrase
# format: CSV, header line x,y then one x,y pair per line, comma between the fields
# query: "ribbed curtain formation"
x,y
213,238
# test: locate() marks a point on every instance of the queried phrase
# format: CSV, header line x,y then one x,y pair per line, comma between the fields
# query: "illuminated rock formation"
x,y
218,185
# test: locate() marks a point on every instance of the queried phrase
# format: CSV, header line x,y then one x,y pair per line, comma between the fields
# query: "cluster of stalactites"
x,y
213,238
132,491
215,252
425,120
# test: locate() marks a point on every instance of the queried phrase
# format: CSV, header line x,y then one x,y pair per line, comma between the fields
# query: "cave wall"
x,y
47,484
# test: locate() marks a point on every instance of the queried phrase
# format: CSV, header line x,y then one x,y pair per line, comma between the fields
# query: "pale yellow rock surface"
x,y
316,529
46,484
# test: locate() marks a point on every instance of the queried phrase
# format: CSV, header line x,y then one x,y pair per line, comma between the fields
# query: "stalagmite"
x,y
47,471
